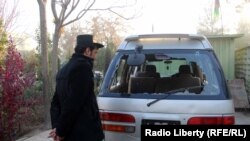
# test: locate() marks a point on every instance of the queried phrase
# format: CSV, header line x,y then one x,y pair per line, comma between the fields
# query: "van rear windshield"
x,y
168,70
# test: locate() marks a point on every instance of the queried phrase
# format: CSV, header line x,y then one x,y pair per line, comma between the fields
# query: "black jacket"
x,y
74,110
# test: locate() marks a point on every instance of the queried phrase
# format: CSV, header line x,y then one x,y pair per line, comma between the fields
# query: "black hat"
x,y
86,40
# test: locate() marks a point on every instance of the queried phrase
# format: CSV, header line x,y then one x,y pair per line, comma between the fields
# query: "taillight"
x,y
118,128
224,120
228,120
118,117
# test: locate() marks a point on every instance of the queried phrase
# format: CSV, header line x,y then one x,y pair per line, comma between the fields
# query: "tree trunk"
x,y
44,61
54,56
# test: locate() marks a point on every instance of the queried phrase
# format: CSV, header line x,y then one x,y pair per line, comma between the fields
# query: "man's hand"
x,y
52,134
58,138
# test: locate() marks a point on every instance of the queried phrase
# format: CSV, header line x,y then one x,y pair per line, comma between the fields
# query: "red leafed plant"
x,y
13,83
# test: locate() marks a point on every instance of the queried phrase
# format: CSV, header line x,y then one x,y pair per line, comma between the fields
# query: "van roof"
x,y
166,41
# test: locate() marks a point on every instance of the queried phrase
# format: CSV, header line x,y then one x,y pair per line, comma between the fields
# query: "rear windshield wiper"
x,y
172,92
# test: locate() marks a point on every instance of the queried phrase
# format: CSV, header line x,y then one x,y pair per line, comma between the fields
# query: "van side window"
x,y
118,78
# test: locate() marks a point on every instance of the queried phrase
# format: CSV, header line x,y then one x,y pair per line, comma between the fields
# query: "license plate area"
x,y
160,122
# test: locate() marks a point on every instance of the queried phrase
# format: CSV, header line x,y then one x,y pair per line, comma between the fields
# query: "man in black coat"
x,y
74,110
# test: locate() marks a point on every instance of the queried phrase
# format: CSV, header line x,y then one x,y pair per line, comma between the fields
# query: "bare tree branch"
x,y
74,5
123,6
81,14
62,13
112,11
2,7
86,6
53,7
8,14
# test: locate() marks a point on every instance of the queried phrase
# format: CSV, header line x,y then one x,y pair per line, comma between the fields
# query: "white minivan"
x,y
163,79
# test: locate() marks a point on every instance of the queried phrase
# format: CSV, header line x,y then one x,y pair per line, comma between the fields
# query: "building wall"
x,y
242,60
224,47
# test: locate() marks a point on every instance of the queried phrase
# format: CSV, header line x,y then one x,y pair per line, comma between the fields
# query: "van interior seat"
x,y
183,70
142,85
150,71
185,81
163,84
144,82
